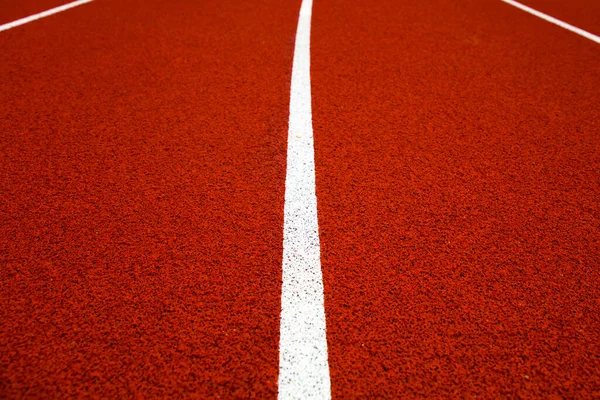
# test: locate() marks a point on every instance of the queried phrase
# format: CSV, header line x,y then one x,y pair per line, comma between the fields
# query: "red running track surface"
x,y
142,168
142,165
457,156
584,14
16,9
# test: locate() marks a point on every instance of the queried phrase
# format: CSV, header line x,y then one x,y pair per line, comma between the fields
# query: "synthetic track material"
x,y
555,21
142,166
43,14
584,14
12,10
457,155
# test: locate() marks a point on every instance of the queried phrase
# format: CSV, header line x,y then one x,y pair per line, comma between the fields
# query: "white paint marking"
x,y
555,21
303,364
42,14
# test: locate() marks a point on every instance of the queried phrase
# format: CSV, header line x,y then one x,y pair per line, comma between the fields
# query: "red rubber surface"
x,y
584,14
142,167
12,10
457,155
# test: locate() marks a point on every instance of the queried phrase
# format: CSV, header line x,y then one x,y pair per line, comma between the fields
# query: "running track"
x,y
142,182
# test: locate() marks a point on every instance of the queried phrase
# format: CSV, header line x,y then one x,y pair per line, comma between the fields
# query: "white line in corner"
x,y
303,363
42,14
555,21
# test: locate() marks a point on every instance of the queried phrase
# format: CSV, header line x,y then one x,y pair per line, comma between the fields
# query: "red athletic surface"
x,y
142,173
142,167
457,157
12,10
584,14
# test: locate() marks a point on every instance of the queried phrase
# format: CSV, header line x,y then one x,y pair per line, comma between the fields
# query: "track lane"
x,y
457,152
142,180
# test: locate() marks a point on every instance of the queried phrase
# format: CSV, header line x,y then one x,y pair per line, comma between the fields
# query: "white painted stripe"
x,y
554,21
303,364
42,14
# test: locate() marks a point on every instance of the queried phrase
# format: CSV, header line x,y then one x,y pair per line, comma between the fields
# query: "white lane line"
x,y
303,364
555,21
42,14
